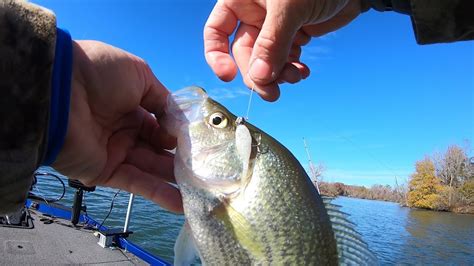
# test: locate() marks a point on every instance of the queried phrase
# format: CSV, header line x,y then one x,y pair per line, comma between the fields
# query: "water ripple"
x,y
396,235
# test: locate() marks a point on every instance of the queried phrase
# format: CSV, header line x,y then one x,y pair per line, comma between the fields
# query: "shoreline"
x,y
467,210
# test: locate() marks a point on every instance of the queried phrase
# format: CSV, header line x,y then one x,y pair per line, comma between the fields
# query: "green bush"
x,y
466,192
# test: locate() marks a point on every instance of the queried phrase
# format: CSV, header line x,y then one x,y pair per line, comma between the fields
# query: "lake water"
x,y
396,235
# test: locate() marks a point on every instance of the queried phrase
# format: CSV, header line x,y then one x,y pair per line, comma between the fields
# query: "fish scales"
x,y
289,233
242,210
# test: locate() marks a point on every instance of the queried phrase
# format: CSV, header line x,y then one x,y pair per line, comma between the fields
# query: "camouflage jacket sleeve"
x,y
436,21
27,43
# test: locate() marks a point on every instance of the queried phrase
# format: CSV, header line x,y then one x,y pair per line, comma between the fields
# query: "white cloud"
x,y
227,93
329,36
366,177
316,52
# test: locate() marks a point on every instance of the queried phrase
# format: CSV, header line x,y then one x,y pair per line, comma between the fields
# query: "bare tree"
x,y
318,171
452,167
401,191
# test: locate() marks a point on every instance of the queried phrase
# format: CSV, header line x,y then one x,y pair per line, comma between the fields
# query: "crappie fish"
x,y
247,200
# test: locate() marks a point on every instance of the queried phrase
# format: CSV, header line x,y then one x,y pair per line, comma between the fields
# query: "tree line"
x,y
442,182
376,192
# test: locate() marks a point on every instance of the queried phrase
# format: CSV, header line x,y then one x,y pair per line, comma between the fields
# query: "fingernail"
x,y
261,70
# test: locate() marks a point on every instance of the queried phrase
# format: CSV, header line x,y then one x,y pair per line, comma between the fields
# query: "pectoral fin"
x,y
242,230
185,251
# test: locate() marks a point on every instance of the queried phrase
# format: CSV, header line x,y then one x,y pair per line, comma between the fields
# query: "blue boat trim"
x,y
63,212
141,253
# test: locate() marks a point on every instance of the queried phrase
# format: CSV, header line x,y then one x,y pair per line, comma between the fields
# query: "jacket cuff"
x,y
27,42
60,96
399,6
436,21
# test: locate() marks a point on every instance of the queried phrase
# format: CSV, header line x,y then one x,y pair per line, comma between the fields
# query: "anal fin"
x,y
185,250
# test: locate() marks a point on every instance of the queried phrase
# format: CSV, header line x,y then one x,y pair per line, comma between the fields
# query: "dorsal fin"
x,y
352,250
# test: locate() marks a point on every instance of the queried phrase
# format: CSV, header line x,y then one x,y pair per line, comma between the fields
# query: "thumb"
x,y
273,44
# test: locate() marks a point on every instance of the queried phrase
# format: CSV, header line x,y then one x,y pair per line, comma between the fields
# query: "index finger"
x,y
154,101
219,26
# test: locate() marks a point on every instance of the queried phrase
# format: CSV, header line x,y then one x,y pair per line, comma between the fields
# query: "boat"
x,y
46,232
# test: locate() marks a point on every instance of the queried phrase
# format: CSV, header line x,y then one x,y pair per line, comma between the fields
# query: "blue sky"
x,y
375,103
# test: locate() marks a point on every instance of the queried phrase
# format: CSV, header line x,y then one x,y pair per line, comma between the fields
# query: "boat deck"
x,y
54,240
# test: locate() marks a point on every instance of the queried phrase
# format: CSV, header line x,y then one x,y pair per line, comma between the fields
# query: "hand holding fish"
x,y
269,37
112,138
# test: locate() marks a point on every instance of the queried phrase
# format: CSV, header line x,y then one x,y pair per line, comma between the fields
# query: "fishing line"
x,y
110,210
41,195
250,99
381,163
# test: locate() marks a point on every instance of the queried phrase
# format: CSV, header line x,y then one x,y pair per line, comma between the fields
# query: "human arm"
x,y
111,138
270,35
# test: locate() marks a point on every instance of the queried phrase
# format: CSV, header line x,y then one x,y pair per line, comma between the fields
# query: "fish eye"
x,y
218,120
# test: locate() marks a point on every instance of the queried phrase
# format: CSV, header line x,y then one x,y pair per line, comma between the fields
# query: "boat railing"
x,y
129,212
118,235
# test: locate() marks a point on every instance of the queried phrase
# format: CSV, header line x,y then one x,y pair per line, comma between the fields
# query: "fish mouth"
x,y
182,108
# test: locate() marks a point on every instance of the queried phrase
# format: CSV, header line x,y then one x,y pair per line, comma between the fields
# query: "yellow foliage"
x,y
425,189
